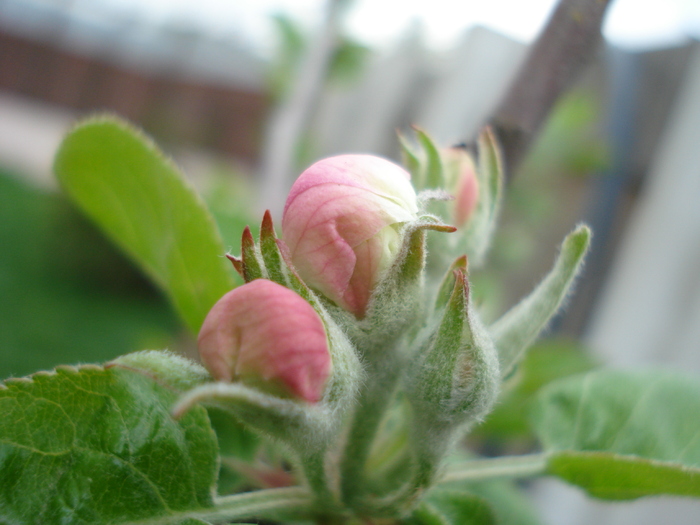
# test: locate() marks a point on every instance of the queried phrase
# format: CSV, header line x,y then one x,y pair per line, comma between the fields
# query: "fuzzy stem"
x,y
492,468
314,467
260,504
429,452
373,402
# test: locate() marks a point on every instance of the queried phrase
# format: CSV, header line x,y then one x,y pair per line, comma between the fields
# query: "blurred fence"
x,y
187,88
180,85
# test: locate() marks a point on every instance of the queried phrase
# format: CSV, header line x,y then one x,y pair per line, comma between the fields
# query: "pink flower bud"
x,y
462,183
342,223
267,336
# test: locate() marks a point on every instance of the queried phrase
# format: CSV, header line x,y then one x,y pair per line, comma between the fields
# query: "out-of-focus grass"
x,y
66,295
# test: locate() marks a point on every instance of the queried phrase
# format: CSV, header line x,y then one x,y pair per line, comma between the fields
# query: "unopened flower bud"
x,y
462,183
342,223
269,337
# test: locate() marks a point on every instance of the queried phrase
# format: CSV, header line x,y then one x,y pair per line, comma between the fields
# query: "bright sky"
x,y
630,23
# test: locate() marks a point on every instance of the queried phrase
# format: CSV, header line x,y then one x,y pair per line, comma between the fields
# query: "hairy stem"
x,y
492,468
314,467
373,402
270,503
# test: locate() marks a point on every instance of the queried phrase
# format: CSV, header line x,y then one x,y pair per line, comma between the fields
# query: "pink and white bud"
x,y
342,223
462,184
268,337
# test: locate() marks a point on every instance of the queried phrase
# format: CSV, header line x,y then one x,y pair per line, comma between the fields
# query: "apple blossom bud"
x,y
462,183
342,223
269,337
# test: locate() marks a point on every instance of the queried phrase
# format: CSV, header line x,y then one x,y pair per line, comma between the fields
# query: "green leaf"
x,y
451,507
617,477
546,361
623,435
519,327
137,196
95,445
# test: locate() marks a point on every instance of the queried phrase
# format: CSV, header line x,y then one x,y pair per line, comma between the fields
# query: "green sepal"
x,y
475,238
381,336
253,267
410,159
433,176
397,299
270,250
452,383
455,379
269,259
448,283
519,327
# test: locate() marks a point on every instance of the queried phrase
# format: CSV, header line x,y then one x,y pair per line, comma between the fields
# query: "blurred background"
x,y
246,94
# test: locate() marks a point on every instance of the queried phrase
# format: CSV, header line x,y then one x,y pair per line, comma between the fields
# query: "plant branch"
x,y
565,46
505,467
259,504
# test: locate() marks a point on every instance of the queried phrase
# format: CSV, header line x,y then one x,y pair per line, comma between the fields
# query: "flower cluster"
x,y
345,311
342,226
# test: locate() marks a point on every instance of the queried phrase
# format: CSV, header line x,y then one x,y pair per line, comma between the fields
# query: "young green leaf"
x,y
96,445
623,435
138,197
519,327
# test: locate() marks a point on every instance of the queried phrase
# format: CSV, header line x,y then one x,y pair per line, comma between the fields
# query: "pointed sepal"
x,y
519,327
451,384
237,263
433,173
455,379
447,285
411,158
396,301
251,258
462,185
477,235
270,250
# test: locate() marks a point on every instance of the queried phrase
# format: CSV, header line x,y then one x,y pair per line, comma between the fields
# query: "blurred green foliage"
x,y
67,295
347,61
508,427
570,149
